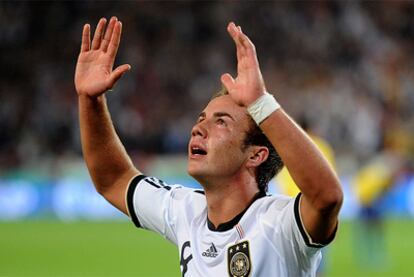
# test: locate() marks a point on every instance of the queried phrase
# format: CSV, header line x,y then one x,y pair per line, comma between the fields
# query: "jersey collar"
x,y
231,223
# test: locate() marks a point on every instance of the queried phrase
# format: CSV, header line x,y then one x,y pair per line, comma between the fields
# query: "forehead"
x,y
225,104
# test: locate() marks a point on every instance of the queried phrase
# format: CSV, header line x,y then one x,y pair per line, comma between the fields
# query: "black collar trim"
x,y
222,227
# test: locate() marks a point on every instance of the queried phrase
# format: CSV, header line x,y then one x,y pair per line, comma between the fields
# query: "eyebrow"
x,y
217,114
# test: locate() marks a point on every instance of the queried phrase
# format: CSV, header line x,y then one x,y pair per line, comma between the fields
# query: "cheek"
x,y
228,151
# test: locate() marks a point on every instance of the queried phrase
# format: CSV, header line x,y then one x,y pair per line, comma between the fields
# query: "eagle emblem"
x,y
238,260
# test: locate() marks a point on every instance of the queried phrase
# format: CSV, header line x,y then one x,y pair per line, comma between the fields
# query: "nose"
x,y
199,129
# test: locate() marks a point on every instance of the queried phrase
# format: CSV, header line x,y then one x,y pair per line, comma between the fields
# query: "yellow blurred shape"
x,y
374,178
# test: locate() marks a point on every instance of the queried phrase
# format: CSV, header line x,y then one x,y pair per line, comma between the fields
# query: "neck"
x,y
226,199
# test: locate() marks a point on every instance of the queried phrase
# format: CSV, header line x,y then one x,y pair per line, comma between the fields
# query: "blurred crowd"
x,y
347,67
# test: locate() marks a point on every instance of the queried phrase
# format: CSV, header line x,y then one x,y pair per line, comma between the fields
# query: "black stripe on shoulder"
x,y
200,191
302,230
130,198
161,185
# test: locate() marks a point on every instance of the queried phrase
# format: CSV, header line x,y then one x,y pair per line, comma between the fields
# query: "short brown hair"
x,y
255,136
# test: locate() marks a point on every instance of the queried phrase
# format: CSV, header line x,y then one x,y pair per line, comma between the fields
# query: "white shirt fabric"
x,y
267,239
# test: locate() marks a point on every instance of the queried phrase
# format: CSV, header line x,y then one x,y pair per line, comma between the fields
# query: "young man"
x,y
231,228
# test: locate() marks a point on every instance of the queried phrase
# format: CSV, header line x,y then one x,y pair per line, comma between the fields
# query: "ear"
x,y
258,155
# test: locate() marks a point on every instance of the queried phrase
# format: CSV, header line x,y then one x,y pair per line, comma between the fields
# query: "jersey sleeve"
x,y
153,205
286,231
307,239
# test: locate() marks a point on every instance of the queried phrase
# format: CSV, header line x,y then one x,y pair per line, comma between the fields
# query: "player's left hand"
x,y
248,85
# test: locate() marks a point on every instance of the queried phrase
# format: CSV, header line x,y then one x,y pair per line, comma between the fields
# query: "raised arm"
x,y
321,192
108,163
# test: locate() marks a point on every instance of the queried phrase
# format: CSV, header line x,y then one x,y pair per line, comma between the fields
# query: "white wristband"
x,y
263,107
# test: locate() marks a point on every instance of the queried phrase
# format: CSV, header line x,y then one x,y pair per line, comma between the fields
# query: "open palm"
x,y
249,84
94,73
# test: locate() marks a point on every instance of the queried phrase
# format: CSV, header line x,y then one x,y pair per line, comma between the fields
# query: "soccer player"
x,y
231,228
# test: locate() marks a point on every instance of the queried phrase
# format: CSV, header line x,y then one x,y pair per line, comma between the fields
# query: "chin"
x,y
196,173
193,172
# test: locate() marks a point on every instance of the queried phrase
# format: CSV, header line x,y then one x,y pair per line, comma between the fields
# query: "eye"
x,y
200,119
221,121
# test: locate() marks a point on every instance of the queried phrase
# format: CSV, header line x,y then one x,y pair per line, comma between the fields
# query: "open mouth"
x,y
198,151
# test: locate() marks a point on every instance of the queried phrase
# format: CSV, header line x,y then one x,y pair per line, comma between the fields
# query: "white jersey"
x,y
267,239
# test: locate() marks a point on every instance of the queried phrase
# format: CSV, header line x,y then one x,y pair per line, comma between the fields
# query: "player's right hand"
x,y
249,85
94,73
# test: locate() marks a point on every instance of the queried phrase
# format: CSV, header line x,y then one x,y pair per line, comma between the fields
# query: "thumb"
x,y
228,82
117,73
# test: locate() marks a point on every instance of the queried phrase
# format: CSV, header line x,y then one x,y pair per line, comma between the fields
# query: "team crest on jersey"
x,y
238,260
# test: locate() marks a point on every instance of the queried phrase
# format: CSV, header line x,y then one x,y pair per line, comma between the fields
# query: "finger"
x,y
249,49
118,72
228,82
115,39
97,37
241,37
86,38
108,33
247,43
234,33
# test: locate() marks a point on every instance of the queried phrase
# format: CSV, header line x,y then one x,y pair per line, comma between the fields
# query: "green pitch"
x,y
84,249
50,248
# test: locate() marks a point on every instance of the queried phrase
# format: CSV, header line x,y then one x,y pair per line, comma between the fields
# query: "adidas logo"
x,y
211,252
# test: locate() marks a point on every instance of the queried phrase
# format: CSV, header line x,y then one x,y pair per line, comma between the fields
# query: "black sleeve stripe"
x,y
152,183
158,186
302,230
130,199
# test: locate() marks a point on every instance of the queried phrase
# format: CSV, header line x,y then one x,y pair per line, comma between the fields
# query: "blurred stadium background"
x,y
345,68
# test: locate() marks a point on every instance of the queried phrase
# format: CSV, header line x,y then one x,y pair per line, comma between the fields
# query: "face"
x,y
215,151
